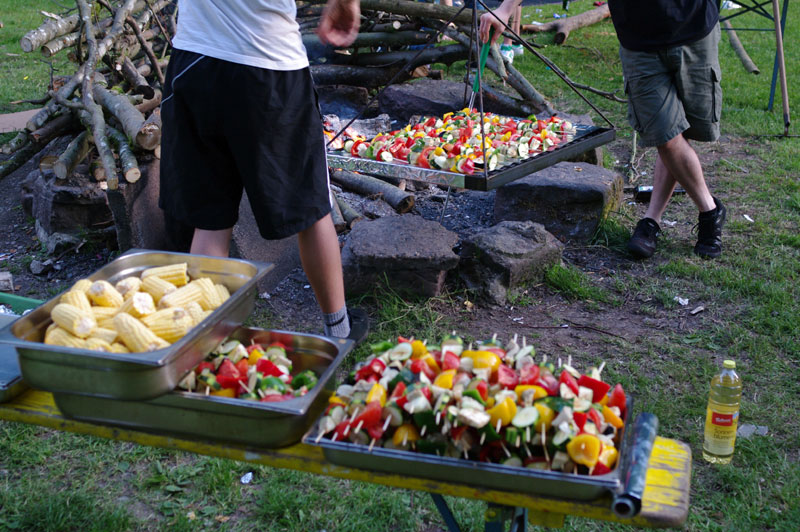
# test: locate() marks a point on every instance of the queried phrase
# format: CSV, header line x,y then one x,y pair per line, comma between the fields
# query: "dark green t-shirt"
x,y
649,25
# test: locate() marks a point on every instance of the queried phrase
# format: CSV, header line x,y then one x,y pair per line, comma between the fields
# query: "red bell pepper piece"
x,y
420,366
529,374
430,122
242,366
549,383
600,469
268,368
354,148
228,381
204,365
426,391
227,369
580,419
340,430
599,388
375,431
569,380
250,348
507,377
617,398
483,389
370,416
403,340
399,391
377,366
595,417
450,361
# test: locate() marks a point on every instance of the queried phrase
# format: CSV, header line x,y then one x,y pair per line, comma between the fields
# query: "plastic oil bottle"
x,y
722,414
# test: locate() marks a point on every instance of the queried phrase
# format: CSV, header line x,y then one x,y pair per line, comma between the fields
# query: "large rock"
x,y
410,253
505,255
569,199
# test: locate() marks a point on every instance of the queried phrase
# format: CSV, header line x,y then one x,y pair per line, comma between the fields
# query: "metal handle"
x,y
628,502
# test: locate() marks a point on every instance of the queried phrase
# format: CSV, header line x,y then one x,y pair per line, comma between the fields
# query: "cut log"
x,y
148,105
498,59
127,160
16,143
74,153
51,48
738,47
119,106
336,214
18,158
564,26
149,134
58,126
419,9
351,216
48,31
46,163
136,80
375,39
359,76
402,202
409,59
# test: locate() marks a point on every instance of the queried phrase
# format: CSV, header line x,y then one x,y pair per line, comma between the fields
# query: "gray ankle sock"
x,y
337,323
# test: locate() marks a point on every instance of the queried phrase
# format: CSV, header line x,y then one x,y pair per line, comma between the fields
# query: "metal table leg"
x,y
444,511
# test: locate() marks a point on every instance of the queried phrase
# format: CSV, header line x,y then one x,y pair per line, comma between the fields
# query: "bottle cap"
x,y
729,364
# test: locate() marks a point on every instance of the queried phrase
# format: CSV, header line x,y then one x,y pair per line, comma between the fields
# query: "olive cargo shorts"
x,y
675,90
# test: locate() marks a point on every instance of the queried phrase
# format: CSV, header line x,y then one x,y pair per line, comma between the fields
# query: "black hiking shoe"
x,y
359,325
643,242
709,232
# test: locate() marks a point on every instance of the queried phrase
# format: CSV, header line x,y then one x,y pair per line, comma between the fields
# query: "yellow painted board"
x,y
665,503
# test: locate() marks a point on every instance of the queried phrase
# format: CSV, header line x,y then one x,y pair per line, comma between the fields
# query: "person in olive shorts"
x,y
240,113
672,77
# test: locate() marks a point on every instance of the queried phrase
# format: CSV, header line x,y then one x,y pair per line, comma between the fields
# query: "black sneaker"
x,y
709,232
359,325
643,242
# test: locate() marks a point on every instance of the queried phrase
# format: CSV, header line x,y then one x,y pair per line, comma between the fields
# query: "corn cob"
x,y
50,327
210,299
107,335
223,292
195,311
97,344
104,294
157,287
138,305
117,347
78,299
135,335
59,336
81,285
182,296
174,273
73,319
171,324
128,286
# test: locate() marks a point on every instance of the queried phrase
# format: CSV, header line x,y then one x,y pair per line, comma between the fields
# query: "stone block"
x,y
505,255
411,254
569,199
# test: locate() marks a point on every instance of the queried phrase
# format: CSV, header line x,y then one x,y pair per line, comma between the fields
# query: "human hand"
x,y
489,20
340,22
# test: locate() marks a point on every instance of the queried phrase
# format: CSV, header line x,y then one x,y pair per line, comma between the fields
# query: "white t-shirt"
x,y
260,33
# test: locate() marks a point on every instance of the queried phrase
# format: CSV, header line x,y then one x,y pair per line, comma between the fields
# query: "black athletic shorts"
x,y
228,127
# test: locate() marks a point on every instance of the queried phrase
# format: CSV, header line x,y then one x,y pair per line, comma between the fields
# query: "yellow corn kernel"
x,y
135,335
117,347
174,273
195,311
171,324
104,294
103,313
73,320
81,285
59,336
128,286
210,299
223,292
78,299
157,287
182,296
107,335
96,344
50,327
138,305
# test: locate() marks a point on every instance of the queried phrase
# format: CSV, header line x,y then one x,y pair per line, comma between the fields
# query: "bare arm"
x,y
488,20
340,22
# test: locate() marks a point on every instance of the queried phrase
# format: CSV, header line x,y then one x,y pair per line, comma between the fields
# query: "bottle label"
x,y
720,433
723,420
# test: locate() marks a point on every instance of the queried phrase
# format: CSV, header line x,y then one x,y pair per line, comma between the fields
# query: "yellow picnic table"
x,y
665,502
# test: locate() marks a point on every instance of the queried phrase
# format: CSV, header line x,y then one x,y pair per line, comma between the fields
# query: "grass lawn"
x,y
59,481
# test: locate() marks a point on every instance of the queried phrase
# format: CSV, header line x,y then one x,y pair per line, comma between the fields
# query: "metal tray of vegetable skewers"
x,y
586,138
11,383
480,474
143,375
252,423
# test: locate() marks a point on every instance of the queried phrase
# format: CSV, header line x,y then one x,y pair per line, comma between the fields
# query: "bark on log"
x,y
51,48
563,26
119,106
74,153
127,160
351,216
359,76
149,134
402,202
418,9
16,143
339,222
374,39
59,125
20,157
408,59
137,81
48,31
148,105
738,47
46,163
498,59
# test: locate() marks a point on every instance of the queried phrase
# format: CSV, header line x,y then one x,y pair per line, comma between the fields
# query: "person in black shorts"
x,y
669,53
240,113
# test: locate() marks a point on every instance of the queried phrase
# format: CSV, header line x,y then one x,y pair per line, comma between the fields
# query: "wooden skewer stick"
x,y
319,437
438,417
386,424
246,387
499,425
528,433
358,427
405,439
516,443
505,449
483,438
527,450
544,445
559,362
371,444
422,431
346,430
466,455
591,469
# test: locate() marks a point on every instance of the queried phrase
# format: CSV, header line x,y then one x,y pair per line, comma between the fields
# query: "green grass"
x,y
751,295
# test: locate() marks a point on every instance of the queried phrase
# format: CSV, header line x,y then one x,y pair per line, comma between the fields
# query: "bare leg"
x,y
322,262
677,162
215,243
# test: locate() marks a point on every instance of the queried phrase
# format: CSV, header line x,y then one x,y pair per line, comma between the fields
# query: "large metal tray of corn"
x,y
585,138
132,376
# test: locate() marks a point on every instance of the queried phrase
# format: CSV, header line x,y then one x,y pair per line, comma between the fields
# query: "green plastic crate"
x,y
18,304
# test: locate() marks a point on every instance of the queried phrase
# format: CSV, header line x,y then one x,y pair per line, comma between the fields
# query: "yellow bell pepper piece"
x,y
490,402
608,456
432,363
486,359
377,393
225,392
405,434
546,417
336,400
584,449
604,400
612,418
538,393
418,349
445,379
504,412
255,354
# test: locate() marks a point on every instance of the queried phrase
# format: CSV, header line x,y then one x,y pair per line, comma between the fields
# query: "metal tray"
x,y
251,423
585,139
135,375
11,383
480,474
